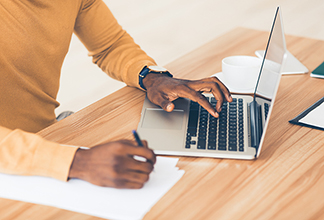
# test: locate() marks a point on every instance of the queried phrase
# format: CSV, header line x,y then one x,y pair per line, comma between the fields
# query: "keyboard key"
x,y
193,119
201,144
266,110
222,147
232,147
192,134
211,145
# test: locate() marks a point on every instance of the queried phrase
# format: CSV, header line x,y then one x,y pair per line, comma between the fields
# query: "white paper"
x,y
80,196
315,117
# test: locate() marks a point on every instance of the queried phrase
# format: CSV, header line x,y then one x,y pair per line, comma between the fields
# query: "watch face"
x,y
157,68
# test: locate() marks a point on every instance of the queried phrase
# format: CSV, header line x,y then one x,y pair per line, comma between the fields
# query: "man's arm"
x,y
111,164
111,47
115,52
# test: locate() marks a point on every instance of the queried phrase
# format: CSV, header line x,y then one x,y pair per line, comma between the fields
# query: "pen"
x,y
137,138
139,142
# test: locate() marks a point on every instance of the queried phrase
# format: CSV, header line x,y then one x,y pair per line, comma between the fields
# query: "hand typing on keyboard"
x,y
163,90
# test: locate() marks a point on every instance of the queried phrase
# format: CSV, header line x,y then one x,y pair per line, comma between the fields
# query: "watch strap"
x,y
146,71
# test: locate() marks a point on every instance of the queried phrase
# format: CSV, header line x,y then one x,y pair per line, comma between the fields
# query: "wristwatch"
x,y
152,69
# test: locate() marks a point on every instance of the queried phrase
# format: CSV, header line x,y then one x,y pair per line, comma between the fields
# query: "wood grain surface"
x,y
285,182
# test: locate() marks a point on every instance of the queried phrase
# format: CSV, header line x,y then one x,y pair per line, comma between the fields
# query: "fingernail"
x,y
169,107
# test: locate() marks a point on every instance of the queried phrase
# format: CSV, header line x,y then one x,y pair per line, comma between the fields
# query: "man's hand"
x,y
162,90
113,165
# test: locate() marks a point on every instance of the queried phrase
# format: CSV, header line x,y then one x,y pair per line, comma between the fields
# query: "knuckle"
x,y
119,183
114,175
145,143
201,97
149,167
99,182
116,167
117,164
138,186
152,154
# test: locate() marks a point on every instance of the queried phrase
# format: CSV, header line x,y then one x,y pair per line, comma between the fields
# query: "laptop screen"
x,y
270,71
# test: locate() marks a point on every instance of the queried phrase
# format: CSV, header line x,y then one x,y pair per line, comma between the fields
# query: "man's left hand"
x,y
163,90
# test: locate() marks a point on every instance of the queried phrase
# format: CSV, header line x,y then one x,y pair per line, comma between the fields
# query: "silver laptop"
x,y
239,131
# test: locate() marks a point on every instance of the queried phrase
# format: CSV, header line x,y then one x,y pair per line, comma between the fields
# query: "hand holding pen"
x,y
114,164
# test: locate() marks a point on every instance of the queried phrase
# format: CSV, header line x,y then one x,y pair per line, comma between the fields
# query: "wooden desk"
x,y
286,182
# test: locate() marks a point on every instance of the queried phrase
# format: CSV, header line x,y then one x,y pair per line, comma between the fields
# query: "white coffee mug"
x,y
241,72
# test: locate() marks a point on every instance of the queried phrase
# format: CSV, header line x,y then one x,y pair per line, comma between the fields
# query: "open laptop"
x,y
239,131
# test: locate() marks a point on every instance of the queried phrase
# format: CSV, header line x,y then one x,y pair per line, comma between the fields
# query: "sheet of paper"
x,y
80,196
315,117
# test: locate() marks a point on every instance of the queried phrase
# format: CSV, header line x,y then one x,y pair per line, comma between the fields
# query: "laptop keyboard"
x,y
225,133
266,110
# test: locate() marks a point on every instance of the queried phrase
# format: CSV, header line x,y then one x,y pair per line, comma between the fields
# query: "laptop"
x,y
238,133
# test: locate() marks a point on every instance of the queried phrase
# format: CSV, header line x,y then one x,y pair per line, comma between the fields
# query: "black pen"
x,y
139,143
137,138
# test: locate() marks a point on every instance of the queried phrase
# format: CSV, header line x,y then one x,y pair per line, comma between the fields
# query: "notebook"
x,y
312,117
238,133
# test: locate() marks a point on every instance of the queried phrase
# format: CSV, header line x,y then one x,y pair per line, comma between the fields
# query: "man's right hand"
x,y
113,165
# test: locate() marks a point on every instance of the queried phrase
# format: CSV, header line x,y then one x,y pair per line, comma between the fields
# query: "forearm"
x,y
23,153
111,47
124,60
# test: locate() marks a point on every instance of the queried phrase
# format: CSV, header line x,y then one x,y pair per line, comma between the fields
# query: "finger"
x,y
129,185
210,86
139,166
218,96
146,146
191,94
224,89
165,104
122,184
132,176
127,169
148,154
133,149
214,86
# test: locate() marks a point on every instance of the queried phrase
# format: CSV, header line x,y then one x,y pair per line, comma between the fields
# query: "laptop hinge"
x,y
255,123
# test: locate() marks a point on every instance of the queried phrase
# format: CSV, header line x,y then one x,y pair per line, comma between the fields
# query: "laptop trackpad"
x,y
156,118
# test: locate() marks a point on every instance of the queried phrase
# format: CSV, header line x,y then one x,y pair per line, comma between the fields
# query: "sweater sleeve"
x,y
111,47
24,153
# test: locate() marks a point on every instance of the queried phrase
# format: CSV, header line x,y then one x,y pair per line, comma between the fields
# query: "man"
x,y
34,39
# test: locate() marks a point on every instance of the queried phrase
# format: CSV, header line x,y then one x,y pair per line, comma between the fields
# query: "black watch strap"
x,y
146,71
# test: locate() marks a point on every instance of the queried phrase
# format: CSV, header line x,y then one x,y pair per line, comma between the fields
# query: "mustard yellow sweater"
x,y
34,39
